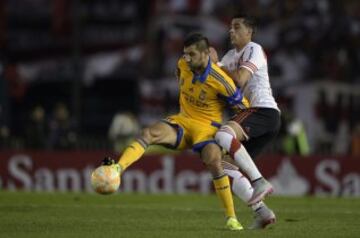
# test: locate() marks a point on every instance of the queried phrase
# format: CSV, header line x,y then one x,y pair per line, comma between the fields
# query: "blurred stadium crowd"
x,y
88,74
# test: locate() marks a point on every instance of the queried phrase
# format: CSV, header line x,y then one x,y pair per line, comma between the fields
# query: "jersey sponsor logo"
x,y
194,101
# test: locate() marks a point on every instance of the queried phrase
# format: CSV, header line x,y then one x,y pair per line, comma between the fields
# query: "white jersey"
x,y
252,57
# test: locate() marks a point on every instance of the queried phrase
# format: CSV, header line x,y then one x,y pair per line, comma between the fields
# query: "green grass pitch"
x,y
25,214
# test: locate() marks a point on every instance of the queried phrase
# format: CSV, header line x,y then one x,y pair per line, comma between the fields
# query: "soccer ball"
x,y
105,179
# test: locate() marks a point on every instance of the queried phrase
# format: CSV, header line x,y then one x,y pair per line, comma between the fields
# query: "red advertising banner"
x,y
182,173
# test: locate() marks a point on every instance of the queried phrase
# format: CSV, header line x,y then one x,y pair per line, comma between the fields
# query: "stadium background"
x,y
79,78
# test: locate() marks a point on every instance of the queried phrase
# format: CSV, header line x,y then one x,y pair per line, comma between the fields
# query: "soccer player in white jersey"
x,y
246,134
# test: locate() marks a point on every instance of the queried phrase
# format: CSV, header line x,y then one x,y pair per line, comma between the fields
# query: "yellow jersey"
x,y
204,97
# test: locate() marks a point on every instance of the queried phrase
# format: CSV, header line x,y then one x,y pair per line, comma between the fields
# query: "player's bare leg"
x,y
159,133
211,156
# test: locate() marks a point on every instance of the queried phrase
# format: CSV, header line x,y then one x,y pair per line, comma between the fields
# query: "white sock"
x,y
246,163
225,138
242,188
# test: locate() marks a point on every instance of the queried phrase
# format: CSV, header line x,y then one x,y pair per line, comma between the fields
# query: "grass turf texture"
x,y
53,215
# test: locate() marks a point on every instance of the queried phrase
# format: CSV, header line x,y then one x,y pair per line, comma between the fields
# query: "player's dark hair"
x,y
201,42
248,21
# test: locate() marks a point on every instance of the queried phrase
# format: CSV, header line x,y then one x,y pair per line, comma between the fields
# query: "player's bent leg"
x,y
159,133
225,137
240,185
211,155
242,188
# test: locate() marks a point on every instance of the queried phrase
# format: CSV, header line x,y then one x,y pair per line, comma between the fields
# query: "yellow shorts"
x,y
192,133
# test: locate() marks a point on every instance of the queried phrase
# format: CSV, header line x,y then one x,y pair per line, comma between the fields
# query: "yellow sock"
x,y
222,188
132,153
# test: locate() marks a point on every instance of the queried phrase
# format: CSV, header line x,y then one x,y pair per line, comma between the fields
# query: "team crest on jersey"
x,y
202,95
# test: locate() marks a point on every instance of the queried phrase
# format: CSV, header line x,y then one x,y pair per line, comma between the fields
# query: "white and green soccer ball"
x,y
105,179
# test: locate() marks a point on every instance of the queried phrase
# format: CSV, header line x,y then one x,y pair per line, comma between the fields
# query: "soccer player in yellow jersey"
x,y
204,92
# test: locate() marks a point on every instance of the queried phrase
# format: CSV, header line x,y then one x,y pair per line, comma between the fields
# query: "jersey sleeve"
x,y
224,60
253,58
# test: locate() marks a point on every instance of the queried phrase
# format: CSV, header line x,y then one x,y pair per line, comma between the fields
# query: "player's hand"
x,y
213,55
107,161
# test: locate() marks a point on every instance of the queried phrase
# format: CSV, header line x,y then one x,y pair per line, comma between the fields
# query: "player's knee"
x,y
148,135
236,130
211,156
151,135
213,164
218,137
223,134
212,161
145,134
